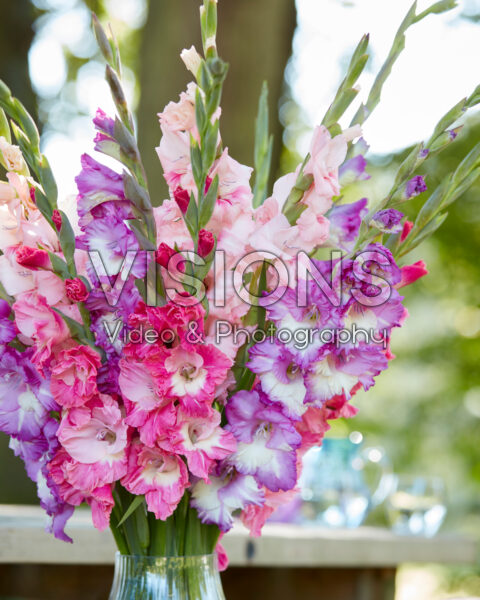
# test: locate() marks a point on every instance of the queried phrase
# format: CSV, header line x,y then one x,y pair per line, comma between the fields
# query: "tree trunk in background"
x,y
16,35
254,37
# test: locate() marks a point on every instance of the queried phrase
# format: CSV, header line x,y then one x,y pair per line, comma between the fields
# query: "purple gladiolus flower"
x,y
227,492
7,327
415,186
337,372
104,123
267,440
388,220
95,177
345,221
353,170
318,312
25,399
281,378
25,407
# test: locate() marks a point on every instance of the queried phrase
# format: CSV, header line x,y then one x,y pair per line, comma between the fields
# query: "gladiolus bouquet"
x,y
170,365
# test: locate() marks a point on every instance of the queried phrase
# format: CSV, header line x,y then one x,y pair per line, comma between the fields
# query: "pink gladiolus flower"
x,y
74,376
174,155
410,273
148,407
161,476
76,485
254,516
222,557
192,373
327,155
180,116
313,230
38,322
201,440
234,180
95,434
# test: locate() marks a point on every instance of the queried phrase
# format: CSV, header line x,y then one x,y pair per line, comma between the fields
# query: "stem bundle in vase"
x,y
169,366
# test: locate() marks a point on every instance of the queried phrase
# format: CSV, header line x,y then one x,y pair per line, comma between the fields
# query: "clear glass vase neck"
x,y
162,578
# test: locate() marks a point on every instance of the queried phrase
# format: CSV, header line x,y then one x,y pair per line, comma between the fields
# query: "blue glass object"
x,y
342,481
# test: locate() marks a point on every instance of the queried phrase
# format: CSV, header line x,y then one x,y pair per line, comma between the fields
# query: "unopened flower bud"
x,y
57,219
32,258
415,186
388,220
206,242
76,290
182,198
12,156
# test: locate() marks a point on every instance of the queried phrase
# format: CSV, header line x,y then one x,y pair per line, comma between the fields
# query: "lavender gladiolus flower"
x,y
25,400
7,327
266,438
227,492
280,376
345,221
388,220
415,186
353,170
104,123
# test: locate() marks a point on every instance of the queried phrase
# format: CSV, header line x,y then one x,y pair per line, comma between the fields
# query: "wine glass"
x,y
416,505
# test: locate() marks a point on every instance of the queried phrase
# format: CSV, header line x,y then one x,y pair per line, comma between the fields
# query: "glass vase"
x,y
161,578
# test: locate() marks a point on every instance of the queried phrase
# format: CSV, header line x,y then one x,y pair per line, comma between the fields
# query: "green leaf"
x,y
136,502
67,242
263,150
365,110
423,234
346,92
208,204
196,160
59,266
136,193
210,147
47,181
462,187
448,119
437,8
27,123
77,330
4,127
474,99
468,164
5,93
43,205
191,217
200,114
433,205
126,140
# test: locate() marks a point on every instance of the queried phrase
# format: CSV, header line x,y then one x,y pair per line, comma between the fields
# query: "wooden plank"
x,y
23,540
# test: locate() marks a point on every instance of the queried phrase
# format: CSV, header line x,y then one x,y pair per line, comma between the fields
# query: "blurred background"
x,y
425,410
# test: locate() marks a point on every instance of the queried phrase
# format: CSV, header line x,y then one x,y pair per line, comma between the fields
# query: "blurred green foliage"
x,y
425,409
